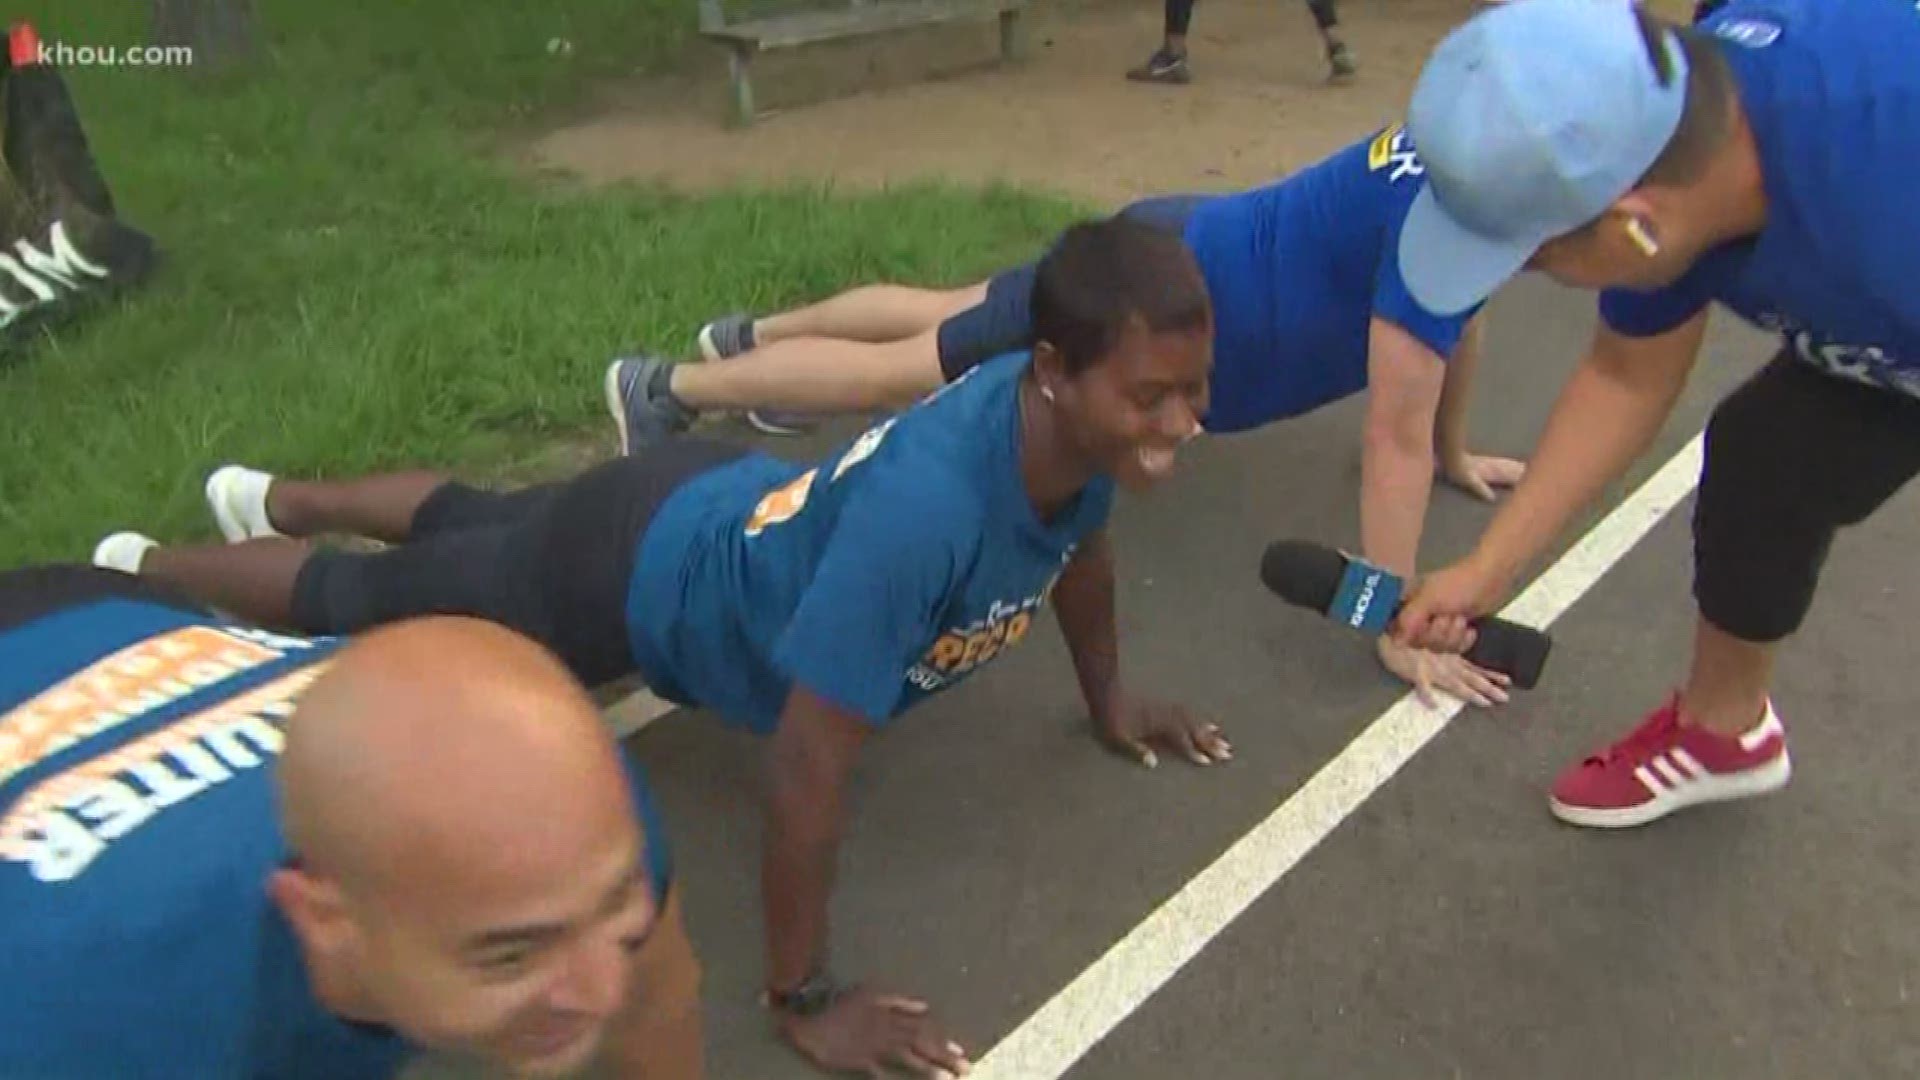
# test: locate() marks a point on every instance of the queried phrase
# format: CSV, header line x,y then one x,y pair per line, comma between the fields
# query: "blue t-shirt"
x,y
137,831
1298,269
1832,91
887,572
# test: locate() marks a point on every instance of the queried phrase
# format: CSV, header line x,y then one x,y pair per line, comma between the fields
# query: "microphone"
x,y
1365,597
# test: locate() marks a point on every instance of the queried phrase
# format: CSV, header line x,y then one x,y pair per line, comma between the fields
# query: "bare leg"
x,y
376,507
1726,691
815,374
253,580
874,313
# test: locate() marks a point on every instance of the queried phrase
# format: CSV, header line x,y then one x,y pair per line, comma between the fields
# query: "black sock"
x,y
660,388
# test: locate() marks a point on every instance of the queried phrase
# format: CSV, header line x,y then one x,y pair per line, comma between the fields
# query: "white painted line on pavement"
x,y
634,712
1050,1041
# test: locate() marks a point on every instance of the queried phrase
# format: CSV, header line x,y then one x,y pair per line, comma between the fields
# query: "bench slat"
x,y
806,28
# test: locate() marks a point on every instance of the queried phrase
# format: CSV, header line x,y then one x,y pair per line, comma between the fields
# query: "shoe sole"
x,y
773,427
1752,783
616,405
708,350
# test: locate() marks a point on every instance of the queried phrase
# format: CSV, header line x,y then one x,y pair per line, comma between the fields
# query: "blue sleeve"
x,y
652,828
875,600
1644,314
1393,303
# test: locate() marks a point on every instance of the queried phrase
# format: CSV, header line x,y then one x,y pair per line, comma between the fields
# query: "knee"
x,y
1759,543
955,301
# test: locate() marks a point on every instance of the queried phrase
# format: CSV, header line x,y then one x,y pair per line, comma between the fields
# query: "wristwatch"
x,y
814,995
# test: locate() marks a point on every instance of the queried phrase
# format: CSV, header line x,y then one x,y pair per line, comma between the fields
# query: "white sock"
x,y
123,551
238,497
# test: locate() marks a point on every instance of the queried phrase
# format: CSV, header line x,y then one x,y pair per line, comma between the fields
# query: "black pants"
x,y
1791,458
552,562
1179,15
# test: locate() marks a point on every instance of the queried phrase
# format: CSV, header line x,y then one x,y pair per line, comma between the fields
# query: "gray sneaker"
x,y
728,337
644,409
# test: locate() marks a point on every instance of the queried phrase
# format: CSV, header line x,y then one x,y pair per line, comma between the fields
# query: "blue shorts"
x,y
1003,322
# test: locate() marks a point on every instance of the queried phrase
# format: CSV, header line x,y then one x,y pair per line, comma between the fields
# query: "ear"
x,y
1642,205
314,908
1049,369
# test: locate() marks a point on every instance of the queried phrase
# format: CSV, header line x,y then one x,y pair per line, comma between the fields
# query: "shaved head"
x,y
469,864
428,739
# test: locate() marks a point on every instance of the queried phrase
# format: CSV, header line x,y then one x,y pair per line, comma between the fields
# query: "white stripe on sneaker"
x,y
1655,785
1688,764
1671,773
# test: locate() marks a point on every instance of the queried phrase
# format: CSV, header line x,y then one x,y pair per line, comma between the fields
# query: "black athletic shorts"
x,y
34,592
1792,456
1003,322
552,562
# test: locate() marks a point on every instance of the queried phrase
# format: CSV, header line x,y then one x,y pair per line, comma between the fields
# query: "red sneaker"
x,y
1664,765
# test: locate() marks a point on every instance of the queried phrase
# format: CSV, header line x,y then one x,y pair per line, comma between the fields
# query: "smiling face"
x,y
470,870
1130,411
520,959
1124,346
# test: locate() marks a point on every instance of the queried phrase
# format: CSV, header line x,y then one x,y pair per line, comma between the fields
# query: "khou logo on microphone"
x,y
1367,597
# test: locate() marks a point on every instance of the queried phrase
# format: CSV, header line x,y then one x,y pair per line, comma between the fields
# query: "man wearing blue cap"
x,y
1762,159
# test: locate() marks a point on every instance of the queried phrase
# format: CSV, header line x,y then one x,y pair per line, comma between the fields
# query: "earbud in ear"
x,y
1642,239
1046,391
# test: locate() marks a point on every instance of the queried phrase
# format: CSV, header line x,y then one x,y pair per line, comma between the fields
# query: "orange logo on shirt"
x,y
122,688
782,503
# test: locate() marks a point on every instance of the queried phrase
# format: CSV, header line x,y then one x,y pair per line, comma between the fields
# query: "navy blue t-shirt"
x,y
137,832
1298,269
885,573
1832,91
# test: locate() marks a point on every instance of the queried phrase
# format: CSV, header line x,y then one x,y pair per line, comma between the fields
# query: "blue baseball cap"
x,y
1531,119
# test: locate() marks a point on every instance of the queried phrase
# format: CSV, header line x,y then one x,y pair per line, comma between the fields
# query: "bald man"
x,y
234,853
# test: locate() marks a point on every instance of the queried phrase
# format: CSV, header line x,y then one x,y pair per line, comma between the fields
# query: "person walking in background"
x,y
1168,64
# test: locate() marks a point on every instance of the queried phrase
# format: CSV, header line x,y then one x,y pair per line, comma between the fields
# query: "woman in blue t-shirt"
x,y
812,604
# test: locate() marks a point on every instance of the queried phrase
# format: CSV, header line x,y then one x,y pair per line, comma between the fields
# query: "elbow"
x,y
1400,441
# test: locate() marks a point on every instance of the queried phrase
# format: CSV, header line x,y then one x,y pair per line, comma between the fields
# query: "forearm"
x,y
1396,482
1456,392
1611,409
802,845
1084,605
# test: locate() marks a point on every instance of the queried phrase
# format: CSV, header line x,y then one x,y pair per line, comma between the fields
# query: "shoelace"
x,y
1655,734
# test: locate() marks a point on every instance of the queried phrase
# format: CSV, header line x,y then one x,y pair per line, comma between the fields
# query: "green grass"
x,y
352,282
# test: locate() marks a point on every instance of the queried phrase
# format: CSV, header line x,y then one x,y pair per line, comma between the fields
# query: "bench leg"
x,y
1013,35
740,76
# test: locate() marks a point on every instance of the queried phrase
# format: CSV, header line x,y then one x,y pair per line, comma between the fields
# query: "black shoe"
x,y
1340,65
1163,67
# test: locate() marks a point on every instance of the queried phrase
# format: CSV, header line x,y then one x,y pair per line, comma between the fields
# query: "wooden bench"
x,y
749,37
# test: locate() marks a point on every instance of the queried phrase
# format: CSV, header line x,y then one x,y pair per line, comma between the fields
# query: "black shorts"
x,y
1003,322
34,592
1792,456
552,562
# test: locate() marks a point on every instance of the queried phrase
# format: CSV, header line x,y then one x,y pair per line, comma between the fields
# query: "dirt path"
x,y
922,106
